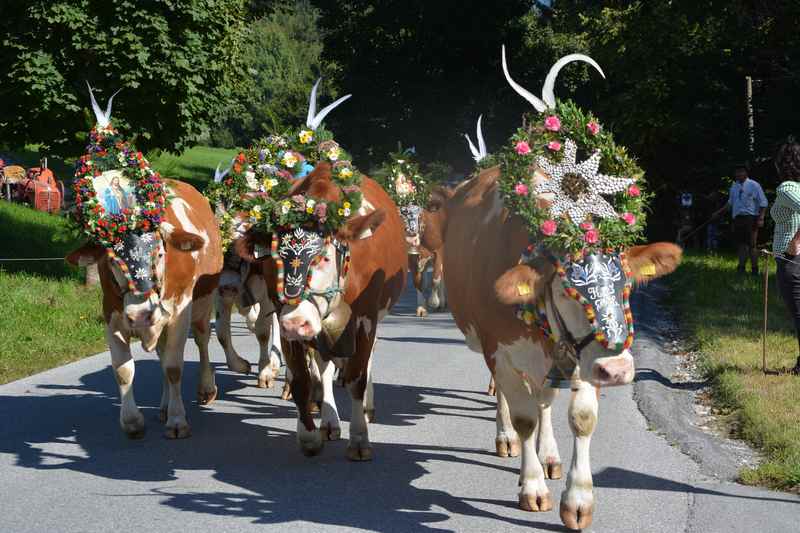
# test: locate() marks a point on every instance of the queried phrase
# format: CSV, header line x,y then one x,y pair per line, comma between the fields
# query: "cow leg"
x,y
369,394
224,305
492,389
506,442
130,417
316,382
170,352
308,436
577,501
330,425
435,301
268,363
286,393
359,447
547,448
201,317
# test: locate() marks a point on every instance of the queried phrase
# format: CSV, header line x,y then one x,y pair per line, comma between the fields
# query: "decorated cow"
x,y
158,253
550,224
334,260
241,282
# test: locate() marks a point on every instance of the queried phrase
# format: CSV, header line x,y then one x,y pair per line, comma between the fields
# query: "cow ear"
x,y
185,241
321,172
361,227
523,283
245,245
652,261
86,255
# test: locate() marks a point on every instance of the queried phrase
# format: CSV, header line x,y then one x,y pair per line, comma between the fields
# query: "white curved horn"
x,y
219,176
522,91
314,119
476,155
312,104
103,119
549,82
481,142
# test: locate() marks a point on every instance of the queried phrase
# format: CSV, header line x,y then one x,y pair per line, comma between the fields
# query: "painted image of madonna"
x,y
114,192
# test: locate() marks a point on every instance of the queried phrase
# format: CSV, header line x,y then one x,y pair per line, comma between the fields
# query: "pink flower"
x,y
552,123
548,227
591,236
629,219
586,226
299,199
634,191
521,189
593,127
554,146
522,148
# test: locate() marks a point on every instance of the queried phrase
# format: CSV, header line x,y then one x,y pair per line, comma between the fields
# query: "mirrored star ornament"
x,y
578,188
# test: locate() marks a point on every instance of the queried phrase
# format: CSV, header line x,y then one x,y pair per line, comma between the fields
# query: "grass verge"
x,y
723,312
48,318
196,165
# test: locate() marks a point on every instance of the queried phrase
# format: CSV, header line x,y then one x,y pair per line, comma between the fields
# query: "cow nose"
x,y
613,371
296,328
140,319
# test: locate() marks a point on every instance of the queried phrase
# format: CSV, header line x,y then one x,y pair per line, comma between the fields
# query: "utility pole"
x,y
751,125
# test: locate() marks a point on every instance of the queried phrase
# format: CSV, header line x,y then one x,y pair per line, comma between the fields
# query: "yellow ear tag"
x,y
648,269
523,288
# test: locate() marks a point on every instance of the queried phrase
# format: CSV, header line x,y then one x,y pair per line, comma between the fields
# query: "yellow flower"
x,y
306,136
345,172
289,160
286,205
527,316
333,154
309,210
346,205
341,212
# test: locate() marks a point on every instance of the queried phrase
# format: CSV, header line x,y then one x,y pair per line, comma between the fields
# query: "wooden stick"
x,y
766,303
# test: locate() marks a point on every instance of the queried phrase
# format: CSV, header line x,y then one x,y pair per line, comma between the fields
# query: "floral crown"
x,y
261,178
143,209
576,190
401,179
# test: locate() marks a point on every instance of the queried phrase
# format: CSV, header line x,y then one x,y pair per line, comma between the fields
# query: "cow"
x,y
187,269
491,267
415,220
341,306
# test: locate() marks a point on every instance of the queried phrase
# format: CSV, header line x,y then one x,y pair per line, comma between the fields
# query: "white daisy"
x,y
141,273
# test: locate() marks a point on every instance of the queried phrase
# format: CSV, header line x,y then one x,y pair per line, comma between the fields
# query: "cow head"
x,y
311,267
137,272
585,306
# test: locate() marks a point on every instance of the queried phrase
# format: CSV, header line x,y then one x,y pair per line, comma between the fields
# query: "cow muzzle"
x,y
613,371
300,323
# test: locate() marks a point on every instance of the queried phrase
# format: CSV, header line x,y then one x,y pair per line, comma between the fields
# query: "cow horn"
x,y
549,82
548,100
480,152
103,118
219,176
314,119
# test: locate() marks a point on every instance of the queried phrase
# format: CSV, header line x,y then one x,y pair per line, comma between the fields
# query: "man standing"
x,y
748,206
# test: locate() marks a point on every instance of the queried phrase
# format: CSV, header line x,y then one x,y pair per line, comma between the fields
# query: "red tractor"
x,y
41,190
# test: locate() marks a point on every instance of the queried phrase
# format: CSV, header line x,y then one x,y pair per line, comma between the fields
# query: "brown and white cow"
x,y
483,243
187,270
421,256
341,314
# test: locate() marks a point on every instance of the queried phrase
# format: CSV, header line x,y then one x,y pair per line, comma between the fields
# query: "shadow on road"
x,y
650,374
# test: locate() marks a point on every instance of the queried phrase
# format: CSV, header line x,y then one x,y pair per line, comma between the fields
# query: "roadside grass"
x,y
724,315
48,317
196,165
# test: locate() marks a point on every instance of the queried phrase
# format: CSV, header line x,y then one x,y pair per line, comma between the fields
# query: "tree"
x,y
177,62
284,58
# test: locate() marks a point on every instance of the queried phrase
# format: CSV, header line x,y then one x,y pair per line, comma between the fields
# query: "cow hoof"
x,y
577,517
265,380
205,397
311,443
536,503
239,365
359,452
286,393
422,312
177,429
552,470
133,426
369,415
330,432
507,447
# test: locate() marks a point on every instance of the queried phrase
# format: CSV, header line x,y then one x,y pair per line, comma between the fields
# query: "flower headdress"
x,y
121,218
401,178
571,204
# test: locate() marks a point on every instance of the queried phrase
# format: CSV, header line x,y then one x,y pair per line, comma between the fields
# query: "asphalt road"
x,y
66,466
